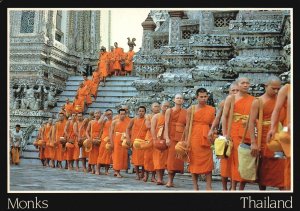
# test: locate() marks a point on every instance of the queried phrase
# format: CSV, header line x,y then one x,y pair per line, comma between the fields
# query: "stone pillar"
x,y
206,22
174,26
256,38
148,27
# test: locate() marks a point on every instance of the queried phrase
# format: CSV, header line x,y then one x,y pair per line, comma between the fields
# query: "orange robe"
x,y
59,126
79,105
270,170
46,138
201,155
117,57
177,120
69,109
70,136
105,157
52,139
160,157
41,149
103,66
83,153
139,130
129,61
84,93
242,106
76,147
148,153
120,154
95,132
95,83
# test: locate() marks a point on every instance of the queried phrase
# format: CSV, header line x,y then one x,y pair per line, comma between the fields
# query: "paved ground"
x,y
26,177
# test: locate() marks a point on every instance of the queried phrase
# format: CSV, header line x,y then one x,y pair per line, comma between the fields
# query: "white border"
x,y
190,191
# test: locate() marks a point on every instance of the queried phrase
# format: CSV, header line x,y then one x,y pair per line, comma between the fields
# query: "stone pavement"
x,y
26,177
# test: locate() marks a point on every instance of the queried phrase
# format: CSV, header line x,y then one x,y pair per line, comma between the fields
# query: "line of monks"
x,y
113,63
99,138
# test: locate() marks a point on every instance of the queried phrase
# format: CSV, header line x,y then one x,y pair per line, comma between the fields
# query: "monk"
x,y
242,106
93,134
59,132
201,155
103,64
70,135
129,61
78,104
52,147
175,121
89,83
68,108
76,152
110,57
137,129
270,168
120,154
82,126
105,156
84,93
47,131
283,100
41,136
96,78
148,153
116,59
225,169
159,157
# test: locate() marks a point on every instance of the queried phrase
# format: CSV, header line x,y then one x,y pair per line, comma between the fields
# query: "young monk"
x,y
120,156
105,156
93,134
242,106
175,121
201,155
159,156
59,132
148,153
137,130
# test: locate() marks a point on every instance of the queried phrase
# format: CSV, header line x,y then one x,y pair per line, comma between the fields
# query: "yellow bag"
x,y
247,163
220,146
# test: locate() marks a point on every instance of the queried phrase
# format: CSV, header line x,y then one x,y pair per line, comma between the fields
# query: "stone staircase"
x,y
116,90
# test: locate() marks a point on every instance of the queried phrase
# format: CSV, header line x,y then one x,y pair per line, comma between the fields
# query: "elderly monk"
x,y
120,154
159,156
70,135
148,153
105,156
137,129
242,106
93,134
103,64
201,155
59,132
225,169
283,101
270,168
175,121
129,61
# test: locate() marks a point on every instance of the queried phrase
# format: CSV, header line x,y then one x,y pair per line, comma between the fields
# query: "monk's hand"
x,y
270,135
254,149
168,142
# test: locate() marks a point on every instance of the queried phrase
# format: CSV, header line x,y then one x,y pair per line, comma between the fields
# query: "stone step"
x,y
62,99
108,83
105,88
119,78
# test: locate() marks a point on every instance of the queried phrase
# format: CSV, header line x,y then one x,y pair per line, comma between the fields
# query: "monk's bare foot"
x,y
115,174
119,176
153,180
106,173
145,179
208,188
137,177
77,169
159,183
169,185
93,171
85,170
